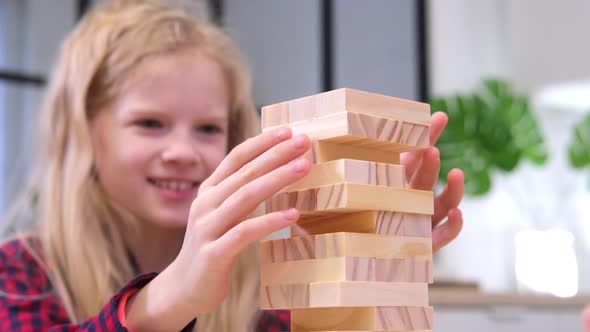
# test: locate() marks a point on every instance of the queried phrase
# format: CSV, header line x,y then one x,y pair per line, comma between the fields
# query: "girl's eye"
x,y
210,129
149,123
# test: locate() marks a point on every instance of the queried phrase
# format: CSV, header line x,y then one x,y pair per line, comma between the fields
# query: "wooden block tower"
x,y
360,257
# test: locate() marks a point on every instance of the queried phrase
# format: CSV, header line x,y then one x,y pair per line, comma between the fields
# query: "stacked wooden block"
x,y
360,257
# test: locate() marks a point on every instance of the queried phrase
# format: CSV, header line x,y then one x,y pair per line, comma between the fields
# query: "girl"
x,y
143,107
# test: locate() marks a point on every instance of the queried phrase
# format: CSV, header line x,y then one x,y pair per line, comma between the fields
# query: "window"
x,y
2,102
30,34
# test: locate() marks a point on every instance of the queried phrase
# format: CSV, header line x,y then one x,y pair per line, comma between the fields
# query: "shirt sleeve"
x,y
108,319
28,304
274,321
121,312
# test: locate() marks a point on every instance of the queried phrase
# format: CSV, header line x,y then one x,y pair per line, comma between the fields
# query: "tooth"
x,y
173,185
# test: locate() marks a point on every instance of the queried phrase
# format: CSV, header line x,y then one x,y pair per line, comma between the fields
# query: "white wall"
x,y
466,42
534,43
547,41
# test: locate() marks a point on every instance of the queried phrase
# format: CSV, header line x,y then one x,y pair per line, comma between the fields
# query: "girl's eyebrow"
x,y
139,112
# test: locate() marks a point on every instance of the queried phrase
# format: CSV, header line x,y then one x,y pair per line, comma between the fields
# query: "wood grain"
x,y
347,269
345,99
365,131
361,254
362,318
344,244
376,222
351,171
322,151
350,197
284,296
343,294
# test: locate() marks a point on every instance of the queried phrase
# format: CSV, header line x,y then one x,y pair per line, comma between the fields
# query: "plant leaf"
x,y
491,128
579,150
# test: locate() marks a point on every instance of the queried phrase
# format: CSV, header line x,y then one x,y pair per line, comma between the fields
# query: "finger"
x,y
270,160
241,203
411,160
447,232
427,174
438,122
255,229
450,197
244,153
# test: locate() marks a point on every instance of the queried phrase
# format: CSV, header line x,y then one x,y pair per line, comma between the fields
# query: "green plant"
x,y
490,128
579,149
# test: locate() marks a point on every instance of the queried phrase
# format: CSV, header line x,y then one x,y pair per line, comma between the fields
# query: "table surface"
x,y
462,297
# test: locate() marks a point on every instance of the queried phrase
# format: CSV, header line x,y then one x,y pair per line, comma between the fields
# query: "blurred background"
x,y
514,77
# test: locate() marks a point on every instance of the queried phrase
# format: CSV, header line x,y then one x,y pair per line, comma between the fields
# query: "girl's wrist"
x,y
159,306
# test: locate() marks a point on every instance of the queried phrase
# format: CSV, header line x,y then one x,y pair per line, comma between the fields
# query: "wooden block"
x,y
347,269
284,296
365,131
350,197
344,244
404,270
351,171
344,294
371,245
360,293
322,151
376,222
362,318
345,99
289,249
275,115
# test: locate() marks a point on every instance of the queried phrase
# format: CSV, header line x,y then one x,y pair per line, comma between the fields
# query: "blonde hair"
x,y
94,61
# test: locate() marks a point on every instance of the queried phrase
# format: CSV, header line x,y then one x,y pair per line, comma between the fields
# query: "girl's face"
x,y
163,136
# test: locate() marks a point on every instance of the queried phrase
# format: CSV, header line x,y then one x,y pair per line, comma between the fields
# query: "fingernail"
x,y
299,141
290,214
436,153
300,164
282,133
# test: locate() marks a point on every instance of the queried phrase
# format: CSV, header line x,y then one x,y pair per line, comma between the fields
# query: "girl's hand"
x,y
218,229
422,169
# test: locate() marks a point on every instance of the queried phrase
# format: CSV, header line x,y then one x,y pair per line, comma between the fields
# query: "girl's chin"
x,y
170,222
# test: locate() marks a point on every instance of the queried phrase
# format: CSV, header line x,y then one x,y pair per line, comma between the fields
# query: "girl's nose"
x,y
181,152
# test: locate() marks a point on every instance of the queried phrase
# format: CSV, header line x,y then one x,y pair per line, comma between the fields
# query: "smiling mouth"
x,y
174,185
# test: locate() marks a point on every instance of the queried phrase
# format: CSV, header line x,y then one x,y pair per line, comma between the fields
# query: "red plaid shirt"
x,y
27,303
